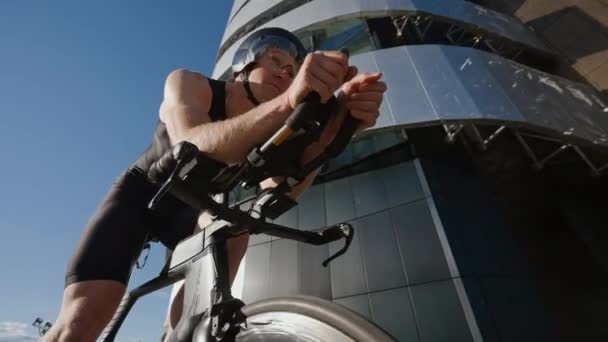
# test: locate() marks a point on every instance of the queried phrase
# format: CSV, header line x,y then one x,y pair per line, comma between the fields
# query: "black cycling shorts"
x,y
116,233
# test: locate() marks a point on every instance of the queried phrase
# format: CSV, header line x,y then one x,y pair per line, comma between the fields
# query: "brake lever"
x,y
343,230
184,154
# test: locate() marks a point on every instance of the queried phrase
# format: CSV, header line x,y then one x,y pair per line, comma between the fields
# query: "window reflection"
x,y
364,148
350,34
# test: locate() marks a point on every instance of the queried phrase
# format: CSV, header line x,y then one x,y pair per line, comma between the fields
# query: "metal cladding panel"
x,y
386,118
359,304
288,218
257,273
594,125
258,239
339,200
365,62
482,18
466,84
318,11
369,63
305,15
284,274
236,8
550,102
428,6
314,278
383,266
486,96
518,83
450,99
439,312
237,4
311,208
243,14
430,84
347,271
369,193
401,183
405,96
419,244
362,148
392,310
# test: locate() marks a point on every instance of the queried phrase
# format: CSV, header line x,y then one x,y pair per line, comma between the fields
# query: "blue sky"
x,y
80,86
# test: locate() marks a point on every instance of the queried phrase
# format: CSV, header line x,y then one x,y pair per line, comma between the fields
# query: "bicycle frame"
x,y
201,260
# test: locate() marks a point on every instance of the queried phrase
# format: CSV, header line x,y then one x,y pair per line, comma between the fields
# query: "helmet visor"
x,y
284,44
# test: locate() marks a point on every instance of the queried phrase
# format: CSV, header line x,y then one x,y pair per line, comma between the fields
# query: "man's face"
x,y
275,70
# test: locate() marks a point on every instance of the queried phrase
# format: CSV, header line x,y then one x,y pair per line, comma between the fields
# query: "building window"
x,y
350,34
364,148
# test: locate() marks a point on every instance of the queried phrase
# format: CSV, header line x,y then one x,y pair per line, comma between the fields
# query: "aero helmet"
x,y
259,41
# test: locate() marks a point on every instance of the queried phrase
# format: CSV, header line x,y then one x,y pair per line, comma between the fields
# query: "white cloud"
x,y
16,332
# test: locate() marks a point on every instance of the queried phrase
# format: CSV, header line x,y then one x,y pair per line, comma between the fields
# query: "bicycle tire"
x,y
306,318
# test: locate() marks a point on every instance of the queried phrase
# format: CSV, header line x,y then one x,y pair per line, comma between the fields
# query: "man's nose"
x,y
282,74
284,79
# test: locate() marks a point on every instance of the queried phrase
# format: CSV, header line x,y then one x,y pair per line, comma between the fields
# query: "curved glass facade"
x,y
463,19
351,34
437,255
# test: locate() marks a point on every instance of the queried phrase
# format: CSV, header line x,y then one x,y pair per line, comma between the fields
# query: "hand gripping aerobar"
x,y
184,172
181,172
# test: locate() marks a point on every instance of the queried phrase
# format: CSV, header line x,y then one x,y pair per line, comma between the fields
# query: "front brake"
x,y
342,230
176,162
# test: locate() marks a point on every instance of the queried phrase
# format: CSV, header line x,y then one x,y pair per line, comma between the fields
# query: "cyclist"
x,y
224,120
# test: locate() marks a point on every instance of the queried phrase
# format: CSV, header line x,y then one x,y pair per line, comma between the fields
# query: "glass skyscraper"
x,y
477,197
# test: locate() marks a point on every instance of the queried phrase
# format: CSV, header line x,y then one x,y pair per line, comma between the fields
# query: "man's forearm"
x,y
297,190
311,152
230,140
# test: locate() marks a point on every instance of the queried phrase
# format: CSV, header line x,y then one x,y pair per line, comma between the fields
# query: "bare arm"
x,y
309,154
187,98
362,96
297,190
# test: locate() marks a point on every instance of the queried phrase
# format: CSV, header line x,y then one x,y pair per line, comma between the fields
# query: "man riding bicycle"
x,y
225,120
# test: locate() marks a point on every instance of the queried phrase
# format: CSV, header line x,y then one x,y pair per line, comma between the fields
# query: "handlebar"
x,y
182,173
177,184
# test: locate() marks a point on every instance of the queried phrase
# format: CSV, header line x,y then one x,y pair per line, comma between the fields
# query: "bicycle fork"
x,y
226,317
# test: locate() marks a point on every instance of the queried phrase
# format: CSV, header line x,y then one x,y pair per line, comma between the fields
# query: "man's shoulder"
x,y
179,76
185,85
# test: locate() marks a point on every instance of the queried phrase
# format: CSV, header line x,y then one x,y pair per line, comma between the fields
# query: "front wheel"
x,y
305,318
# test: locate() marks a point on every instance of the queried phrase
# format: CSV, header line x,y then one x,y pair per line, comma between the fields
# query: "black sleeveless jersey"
x,y
161,143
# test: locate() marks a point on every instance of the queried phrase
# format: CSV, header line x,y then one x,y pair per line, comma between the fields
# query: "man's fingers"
x,y
367,119
368,77
375,97
328,68
321,88
373,87
337,56
365,82
324,76
330,60
368,106
337,70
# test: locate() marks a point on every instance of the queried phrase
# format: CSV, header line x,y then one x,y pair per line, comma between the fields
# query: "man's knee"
x,y
69,332
86,309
